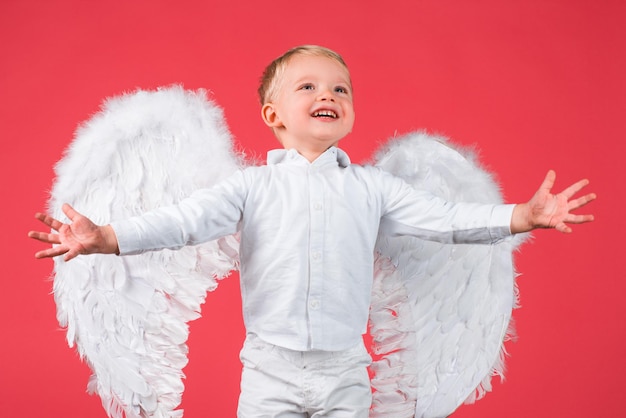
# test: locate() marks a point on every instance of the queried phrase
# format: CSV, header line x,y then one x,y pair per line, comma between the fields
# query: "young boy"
x,y
308,222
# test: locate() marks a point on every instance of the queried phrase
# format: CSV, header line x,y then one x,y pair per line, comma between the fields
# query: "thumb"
x,y
69,211
548,181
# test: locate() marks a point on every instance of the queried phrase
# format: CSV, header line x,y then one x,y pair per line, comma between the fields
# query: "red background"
x,y
535,84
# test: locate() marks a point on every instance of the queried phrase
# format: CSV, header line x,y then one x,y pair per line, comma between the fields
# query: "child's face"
x,y
312,108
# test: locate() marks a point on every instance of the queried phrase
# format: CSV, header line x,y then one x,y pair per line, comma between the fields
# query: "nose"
x,y
326,94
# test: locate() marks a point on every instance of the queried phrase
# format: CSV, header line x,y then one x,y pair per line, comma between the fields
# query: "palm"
x,y
81,236
549,210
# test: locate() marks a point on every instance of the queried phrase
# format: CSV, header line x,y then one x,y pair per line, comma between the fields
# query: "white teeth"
x,y
328,113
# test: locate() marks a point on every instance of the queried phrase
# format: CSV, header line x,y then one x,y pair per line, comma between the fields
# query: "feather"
x,y
438,343
440,312
128,315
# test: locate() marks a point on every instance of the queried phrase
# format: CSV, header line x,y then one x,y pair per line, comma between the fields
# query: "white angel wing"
x,y
127,315
440,312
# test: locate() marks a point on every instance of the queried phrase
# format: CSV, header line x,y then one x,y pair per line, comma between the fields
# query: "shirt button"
x,y
315,304
317,206
316,255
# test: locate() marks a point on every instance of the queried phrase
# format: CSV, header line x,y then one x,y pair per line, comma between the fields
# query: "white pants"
x,y
281,383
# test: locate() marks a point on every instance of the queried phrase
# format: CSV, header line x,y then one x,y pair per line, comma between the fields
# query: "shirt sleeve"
x,y
204,216
407,211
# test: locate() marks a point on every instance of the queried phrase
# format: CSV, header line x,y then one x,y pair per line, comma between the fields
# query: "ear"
x,y
269,115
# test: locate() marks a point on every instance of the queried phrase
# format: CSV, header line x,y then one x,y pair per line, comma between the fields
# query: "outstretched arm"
x,y
547,210
81,236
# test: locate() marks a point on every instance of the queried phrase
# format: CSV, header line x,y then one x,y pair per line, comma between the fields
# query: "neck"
x,y
310,155
309,151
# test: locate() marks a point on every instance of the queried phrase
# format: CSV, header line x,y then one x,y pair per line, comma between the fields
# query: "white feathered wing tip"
x,y
440,312
128,315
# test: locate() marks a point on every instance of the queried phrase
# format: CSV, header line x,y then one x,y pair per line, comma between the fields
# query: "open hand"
x,y
547,210
81,236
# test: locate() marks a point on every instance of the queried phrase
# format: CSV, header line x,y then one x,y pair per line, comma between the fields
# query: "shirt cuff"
x,y
127,237
501,221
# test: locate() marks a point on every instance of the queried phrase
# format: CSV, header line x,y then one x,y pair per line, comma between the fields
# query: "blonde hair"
x,y
274,71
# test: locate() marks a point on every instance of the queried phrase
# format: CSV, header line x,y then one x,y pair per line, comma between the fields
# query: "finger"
x,y
70,254
45,237
581,201
574,188
69,211
51,252
579,219
49,221
563,228
548,181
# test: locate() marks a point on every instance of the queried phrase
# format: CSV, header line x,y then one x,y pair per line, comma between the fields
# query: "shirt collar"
x,y
331,155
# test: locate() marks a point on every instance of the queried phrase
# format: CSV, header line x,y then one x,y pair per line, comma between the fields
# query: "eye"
x,y
307,86
341,89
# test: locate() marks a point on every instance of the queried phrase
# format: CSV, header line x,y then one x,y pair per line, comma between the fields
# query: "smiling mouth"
x,y
325,114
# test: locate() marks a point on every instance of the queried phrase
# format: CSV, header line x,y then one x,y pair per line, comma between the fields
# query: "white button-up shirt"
x,y
308,232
